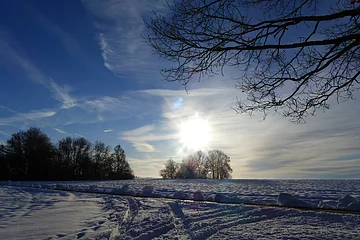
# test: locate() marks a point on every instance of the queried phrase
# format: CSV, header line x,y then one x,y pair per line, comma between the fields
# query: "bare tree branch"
x,y
292,55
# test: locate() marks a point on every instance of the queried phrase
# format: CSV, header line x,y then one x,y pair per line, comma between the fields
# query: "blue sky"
x,y
80,68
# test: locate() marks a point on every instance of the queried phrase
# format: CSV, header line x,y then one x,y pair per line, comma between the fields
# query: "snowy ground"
x,y
255,191
38,213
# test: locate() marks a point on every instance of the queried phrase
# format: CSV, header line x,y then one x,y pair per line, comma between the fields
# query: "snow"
x,y
288,200
325,205
181,195
354,206
345,201
224,198
147,191
323,194
198,196
38,213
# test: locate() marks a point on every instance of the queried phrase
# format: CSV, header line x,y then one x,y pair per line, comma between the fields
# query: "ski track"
x,y
129,216
180,221
117,217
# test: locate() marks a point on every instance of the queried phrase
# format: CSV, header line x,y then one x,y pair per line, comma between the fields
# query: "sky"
x,y
81,68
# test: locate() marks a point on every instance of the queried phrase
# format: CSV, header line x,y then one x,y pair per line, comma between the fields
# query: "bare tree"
x,y
292,55
170,169
101,157
219,165
74,157
201,158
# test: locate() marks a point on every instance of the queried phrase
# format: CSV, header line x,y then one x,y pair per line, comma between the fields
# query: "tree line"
x,y
215,164
30,155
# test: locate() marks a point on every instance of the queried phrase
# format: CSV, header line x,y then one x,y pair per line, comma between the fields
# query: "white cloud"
x,y
140,137
33,115
148,167
120,27
9,109
8,52
4,133
107,130
139,131
59,131
78,135
106,104
146,133
87,110
143,147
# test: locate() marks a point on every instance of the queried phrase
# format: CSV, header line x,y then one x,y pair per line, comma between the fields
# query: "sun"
x,y
195,133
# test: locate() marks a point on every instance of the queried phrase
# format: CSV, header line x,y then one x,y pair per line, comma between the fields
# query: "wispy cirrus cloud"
x,y
140,137
88,110
79,135
32,115
67,133
8,52
143,147
120,28
60,131
8,109
106,103
4,133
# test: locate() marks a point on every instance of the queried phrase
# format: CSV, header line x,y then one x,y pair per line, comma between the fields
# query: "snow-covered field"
x,y
43,210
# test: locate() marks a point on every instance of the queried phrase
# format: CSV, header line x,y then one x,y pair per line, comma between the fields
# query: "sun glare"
x,y
195,133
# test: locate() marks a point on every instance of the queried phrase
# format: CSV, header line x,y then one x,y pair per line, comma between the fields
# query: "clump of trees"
x,y
30,155
215,164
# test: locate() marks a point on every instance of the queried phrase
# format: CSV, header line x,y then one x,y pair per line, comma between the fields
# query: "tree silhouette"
x,y
4,171
101,154
292,55
201,158
30,155
169,172
122,167
74,157
219,164
188,168
215,164
64,158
